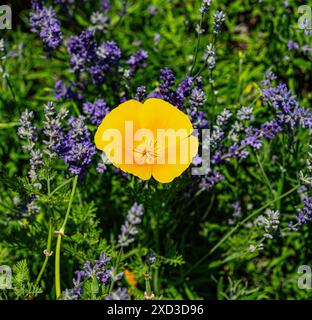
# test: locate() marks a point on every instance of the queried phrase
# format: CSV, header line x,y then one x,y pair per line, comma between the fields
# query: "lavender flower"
x,y
76,148
168,80
27,131
82,50
152,10
105,5
96,111
305,214
210,57
244,114
150,258
306,26
86,55
53,129
198,118
129,229
223,118
303,192
219,18
69,294
288,112
270,221
100,21
109,52
44,22
62,91
97,269
101,167
183,91
306,49
237,212
291,45
119,294
140,93
210,180
204,8
270,129
137,61
252,138
198,97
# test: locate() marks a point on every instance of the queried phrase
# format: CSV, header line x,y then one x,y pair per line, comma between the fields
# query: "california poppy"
x,y
150,139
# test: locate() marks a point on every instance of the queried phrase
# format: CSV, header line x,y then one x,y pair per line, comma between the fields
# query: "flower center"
x,y
144,153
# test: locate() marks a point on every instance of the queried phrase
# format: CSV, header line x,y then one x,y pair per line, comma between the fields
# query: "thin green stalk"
x,y
47,252
197,44
61,186
9,125
214,40
58,290
60,233
148,289
267,181
116,268
254,213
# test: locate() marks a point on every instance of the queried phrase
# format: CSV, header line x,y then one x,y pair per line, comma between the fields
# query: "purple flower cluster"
x,y
304,215
210,180
66,92
140,93
166,91
289,114
86,55
129,229
53,131
76,148
236,214
204,8
219,18
137,61
119,294
28,132
197,101
105,5
44,22
98,269
291,45
96,111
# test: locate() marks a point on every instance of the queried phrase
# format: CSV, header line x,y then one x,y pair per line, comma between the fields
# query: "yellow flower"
x,y
150,139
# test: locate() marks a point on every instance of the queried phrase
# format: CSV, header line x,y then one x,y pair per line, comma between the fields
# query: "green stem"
x,y
70,203
47,253
58,290
9,125
115,269
61,186
267,181
254,213
214,40
147,277
60,233
197,44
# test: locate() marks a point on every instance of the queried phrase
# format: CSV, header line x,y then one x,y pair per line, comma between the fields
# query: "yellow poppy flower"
x,y
150,139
